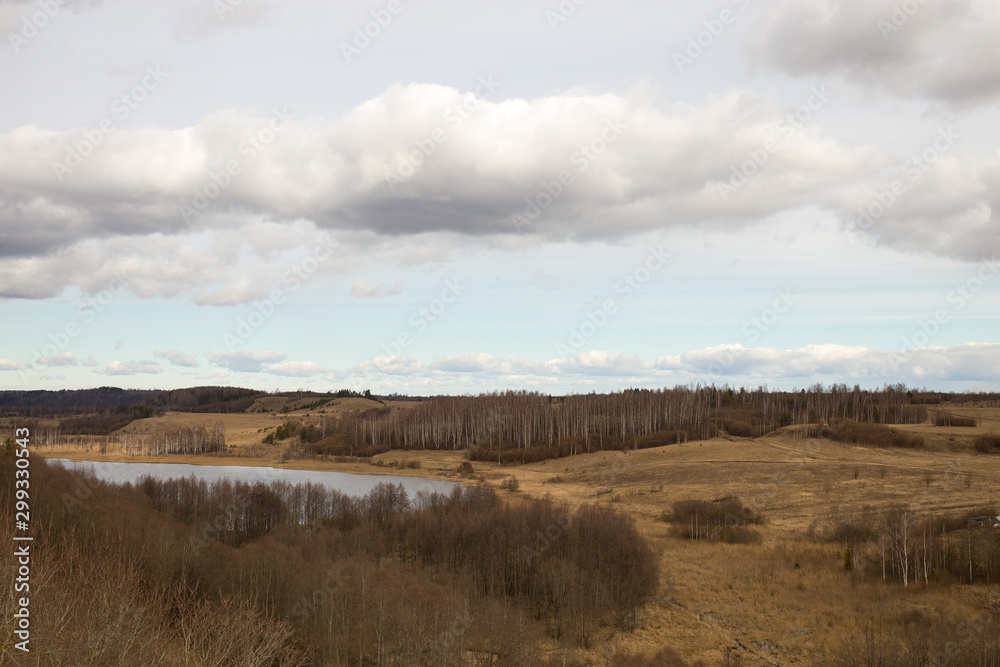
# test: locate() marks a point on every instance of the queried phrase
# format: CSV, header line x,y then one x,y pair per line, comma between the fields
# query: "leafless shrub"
x,y
948,419
875,435
725,519
988,443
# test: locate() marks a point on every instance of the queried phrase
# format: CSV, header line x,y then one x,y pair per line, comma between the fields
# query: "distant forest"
x,y
40,403
522,426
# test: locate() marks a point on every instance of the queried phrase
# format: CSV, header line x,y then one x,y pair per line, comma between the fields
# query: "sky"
x,y
444,197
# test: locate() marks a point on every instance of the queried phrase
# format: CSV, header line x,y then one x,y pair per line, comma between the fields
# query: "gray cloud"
x,y
944,50
630,164
63,359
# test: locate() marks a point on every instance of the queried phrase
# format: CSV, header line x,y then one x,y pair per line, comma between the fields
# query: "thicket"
x,y
923,637
873,435
948,419
900,544
184,572
988,443
723,519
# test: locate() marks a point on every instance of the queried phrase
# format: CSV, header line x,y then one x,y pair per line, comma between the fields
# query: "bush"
x,y
854,527
510,484
661,439
724,519
988,443
740,429
945,419
875,435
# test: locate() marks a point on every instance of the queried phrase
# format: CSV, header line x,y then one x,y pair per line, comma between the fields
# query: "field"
x,y
785,600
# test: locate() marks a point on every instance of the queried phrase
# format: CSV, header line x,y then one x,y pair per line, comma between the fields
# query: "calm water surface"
x,y
352,485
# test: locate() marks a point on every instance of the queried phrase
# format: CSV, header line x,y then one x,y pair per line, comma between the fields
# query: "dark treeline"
x,y
205,399
524,426
109,401
106,421
182,572
65,402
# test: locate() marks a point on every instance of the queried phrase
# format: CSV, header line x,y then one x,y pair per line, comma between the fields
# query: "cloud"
x,y
295,369
721,364
473,362
247,257
969,362
131,368
177,358
119,345
9,365
64,359
14,12
942,50
363,289
248,361
240,291
629,166
207,19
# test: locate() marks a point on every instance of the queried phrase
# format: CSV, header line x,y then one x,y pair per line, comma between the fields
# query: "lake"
x,y
346,483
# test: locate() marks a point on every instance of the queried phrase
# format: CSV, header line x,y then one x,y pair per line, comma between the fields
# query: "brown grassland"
x,y
785,600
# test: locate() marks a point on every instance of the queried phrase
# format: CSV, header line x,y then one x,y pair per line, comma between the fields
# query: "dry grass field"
x,y
786,600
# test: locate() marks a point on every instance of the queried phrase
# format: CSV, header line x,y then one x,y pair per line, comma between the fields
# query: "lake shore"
x,y
433,465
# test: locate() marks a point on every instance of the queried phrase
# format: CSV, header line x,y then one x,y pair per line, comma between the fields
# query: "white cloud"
x,y
248,361
731,363
131,368
473,362
295,369
362,289
177,358
9,365
240,291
